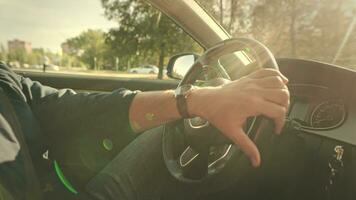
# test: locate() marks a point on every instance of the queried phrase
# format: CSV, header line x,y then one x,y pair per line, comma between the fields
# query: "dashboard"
x,y
323,100
316,107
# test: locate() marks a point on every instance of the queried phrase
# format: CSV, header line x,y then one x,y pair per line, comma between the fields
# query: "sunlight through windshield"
x,y
311,29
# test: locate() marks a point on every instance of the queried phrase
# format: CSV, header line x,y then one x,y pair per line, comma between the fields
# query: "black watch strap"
x,y
181,99
182,106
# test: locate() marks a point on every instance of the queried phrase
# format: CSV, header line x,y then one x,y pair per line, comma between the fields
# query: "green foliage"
x,y
89,47
303,29
36,57
17,55
144,35
71,61
3,53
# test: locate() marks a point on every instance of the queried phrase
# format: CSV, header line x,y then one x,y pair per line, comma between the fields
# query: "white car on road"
x,y
145,69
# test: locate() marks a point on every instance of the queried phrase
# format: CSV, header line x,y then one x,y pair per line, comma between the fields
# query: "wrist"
x,y
198,100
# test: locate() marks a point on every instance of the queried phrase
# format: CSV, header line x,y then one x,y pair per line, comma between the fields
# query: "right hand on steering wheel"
x,y
228,106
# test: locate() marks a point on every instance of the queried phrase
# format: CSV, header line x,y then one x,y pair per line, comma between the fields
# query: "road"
x,y
81,71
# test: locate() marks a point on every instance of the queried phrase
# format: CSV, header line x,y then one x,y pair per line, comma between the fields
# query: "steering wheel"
x,y
193,149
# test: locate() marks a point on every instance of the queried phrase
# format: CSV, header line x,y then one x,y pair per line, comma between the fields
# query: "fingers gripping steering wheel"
x,y
194,150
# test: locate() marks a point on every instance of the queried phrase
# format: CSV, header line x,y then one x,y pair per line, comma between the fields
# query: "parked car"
x,y
14,64
145,69
52,67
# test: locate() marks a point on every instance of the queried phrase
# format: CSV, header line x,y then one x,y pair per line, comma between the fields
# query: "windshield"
x,y
321,30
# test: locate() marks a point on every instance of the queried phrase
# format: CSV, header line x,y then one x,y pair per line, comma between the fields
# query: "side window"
x,y
103,38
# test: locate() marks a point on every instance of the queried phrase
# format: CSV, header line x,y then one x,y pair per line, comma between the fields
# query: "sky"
x,y
48,23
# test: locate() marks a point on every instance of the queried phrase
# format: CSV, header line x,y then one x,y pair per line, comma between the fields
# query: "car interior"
x,y
314,158
295,165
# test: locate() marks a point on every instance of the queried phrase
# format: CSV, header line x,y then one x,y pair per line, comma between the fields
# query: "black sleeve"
x,y
84,130
67,112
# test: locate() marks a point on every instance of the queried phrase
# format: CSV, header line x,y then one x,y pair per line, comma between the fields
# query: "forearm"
x,y
151,109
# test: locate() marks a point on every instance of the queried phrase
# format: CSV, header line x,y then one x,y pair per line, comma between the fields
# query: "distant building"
x,y
15,45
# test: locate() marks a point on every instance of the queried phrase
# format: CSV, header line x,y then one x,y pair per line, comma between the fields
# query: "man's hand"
x,y
227,107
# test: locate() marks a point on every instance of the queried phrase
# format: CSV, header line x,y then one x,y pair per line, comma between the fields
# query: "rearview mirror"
x,y
179,65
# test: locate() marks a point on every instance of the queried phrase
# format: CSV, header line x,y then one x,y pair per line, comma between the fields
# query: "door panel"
x,y
98,83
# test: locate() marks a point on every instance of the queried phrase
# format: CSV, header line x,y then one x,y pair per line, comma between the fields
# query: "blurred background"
x,y
130,38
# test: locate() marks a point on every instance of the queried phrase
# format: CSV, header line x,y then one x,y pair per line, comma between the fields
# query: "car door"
x,y
79,67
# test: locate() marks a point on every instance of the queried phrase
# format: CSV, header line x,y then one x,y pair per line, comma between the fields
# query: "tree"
x,y
18,55
69,61
3,53
89,47
144,33
311,29
36,57
233,15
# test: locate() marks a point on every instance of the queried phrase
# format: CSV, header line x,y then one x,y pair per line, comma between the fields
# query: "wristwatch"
x,y
181,94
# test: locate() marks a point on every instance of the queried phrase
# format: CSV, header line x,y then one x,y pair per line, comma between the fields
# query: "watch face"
x,y
182,90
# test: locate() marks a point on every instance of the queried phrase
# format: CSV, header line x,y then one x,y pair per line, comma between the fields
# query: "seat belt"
x,y
33,191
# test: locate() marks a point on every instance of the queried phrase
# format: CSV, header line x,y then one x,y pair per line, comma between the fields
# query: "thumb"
x,y
239,137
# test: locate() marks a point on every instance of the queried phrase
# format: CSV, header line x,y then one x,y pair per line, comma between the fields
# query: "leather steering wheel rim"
x,y
264,58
